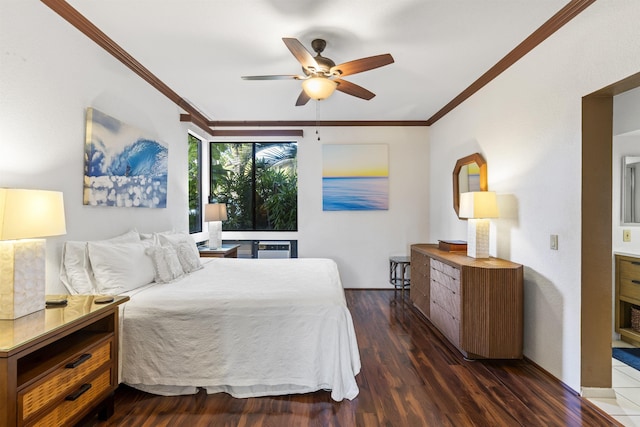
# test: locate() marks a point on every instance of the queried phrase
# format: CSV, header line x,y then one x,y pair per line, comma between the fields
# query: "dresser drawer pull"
x,y
637,282
82,390
635,262
78,362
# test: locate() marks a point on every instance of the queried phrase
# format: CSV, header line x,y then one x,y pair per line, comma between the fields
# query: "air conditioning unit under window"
x,y
274,249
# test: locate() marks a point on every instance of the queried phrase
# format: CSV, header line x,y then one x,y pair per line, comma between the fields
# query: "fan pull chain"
x,y
317,118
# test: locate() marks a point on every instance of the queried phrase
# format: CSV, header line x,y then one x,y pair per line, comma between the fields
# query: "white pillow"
x,y
186,249
75,268
165,262
120,267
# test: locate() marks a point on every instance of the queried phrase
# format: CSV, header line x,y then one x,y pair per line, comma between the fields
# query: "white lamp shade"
x,y
215,212
478,204
319,88
26,214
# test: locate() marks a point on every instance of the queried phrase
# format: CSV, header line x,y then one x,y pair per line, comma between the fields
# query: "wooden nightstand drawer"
x,y
34,351
87,394
64,379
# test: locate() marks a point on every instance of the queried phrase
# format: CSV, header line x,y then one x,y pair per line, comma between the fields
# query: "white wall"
x,y
361,241
626,142
51,73
527,124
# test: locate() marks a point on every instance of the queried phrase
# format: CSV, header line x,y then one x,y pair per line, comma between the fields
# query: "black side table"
x,y
398,272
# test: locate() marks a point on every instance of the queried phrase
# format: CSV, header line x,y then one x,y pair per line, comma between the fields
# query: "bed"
x,y
247,327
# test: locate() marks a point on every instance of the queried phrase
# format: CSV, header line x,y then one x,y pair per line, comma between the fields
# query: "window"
x,y
259,184
195,187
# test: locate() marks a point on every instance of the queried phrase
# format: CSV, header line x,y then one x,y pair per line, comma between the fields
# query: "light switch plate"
x,y
626,235
554,242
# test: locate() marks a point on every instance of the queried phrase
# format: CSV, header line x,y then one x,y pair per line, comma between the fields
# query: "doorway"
x,y
596,246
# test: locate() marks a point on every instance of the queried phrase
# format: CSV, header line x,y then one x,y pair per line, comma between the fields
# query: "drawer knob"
x,y
80,361
82,390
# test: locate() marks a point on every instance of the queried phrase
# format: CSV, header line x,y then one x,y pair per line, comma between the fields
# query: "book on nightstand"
x,y
452,245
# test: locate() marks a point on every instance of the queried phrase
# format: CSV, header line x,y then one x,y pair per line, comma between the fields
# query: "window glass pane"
x,y
276,186
258,182
195,187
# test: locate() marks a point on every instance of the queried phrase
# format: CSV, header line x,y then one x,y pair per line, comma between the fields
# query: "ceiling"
x,y
201,48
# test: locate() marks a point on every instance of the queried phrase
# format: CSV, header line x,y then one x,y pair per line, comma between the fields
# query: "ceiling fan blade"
x,y
302,99
301,53
273,77
353,89
362,64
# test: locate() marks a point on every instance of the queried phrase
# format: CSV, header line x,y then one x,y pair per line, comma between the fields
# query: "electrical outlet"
x,y
626,235
554,242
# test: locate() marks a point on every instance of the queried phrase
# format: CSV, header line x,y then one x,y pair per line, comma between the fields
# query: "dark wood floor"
x,y
410,377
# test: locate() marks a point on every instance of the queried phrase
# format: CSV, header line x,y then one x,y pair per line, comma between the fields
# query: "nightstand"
x,y
223,252
59,365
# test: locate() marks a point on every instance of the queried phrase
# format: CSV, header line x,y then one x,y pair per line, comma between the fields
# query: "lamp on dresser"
x,y
25,217
478,207
214,214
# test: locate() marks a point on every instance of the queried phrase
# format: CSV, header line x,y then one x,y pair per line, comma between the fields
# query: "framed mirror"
x,y
470,174
630,190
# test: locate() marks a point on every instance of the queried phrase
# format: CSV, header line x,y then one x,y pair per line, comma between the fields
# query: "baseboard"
x,y
597,393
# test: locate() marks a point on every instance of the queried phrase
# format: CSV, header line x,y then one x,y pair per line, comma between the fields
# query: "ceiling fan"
x,y
322,76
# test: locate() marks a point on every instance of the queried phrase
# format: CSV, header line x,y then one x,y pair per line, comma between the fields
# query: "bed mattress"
x,y
248,327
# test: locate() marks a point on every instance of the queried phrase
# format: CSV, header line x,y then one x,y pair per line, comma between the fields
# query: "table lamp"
x,y
478,207
214,214
25,216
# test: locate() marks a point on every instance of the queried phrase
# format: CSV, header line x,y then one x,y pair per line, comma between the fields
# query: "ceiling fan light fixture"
x,y
319,88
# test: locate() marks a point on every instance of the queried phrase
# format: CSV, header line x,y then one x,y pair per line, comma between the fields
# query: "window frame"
x,y
254,191
199,218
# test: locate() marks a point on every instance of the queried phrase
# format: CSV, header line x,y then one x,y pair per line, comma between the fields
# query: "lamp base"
x,y
215,234
22,277
478,238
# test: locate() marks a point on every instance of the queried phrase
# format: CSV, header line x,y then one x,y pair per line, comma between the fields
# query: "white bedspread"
x,y
248,327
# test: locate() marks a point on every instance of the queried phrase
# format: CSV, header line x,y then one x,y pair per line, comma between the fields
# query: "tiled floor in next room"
x,y
625,407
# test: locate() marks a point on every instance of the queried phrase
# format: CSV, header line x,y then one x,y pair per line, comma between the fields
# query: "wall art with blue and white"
x,y
122,166
355,177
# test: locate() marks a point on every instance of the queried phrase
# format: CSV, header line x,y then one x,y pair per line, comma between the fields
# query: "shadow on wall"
x,y
507,221
543,305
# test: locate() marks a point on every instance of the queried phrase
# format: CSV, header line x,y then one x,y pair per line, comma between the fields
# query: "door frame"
x,y
596,245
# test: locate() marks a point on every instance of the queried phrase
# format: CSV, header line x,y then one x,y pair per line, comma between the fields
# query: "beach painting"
x,y
122,166
355,177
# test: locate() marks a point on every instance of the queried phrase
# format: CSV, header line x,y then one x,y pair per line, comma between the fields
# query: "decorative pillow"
x,y
75,268
120,267
165,262
186,249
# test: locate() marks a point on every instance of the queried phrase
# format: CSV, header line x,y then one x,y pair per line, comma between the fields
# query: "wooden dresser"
x,y
477,304
627,295
60,364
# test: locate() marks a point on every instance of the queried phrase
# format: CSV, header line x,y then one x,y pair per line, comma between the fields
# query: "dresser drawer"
x,y
64,380
443,320
447,299
630,288
419,263
421,301
67,409
446,276
445,269
630,269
